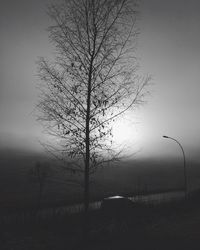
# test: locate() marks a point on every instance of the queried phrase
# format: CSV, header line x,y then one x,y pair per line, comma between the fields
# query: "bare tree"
x,y
92,81
40,172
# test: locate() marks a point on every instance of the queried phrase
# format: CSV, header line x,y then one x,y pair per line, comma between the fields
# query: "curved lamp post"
x,y
184,162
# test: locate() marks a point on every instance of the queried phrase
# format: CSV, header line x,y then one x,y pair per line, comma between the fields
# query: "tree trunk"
x,y
87,152
87,158
87,141
86,189
86,177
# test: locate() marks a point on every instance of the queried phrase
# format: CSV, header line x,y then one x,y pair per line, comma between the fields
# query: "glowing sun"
x,y
124,132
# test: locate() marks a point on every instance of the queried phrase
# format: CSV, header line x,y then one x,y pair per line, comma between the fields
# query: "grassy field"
x,y
158,227
166,226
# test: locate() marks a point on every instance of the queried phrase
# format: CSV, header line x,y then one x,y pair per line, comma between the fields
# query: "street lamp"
x,y
184,162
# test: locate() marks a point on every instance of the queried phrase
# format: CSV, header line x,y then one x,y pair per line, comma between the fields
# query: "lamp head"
x,y
165,136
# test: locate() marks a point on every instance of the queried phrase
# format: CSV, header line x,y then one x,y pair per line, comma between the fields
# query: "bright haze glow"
x,y
125,132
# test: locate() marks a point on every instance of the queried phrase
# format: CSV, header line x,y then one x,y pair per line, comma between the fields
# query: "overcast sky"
x,y
168,48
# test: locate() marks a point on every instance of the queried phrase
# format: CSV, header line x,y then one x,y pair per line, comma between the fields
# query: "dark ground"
x,y
158,227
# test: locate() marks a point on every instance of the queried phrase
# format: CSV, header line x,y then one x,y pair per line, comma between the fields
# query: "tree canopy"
x,y
93,79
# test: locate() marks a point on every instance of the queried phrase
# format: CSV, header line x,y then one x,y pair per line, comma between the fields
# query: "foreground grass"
x,y
166,226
